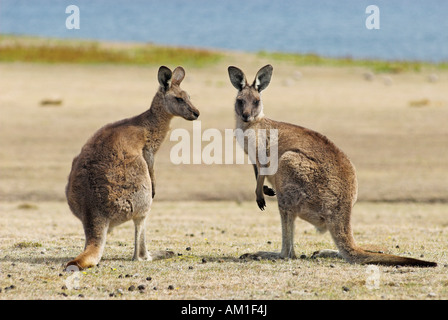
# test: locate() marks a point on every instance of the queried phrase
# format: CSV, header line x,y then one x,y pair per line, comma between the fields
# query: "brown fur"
x,y
112,180
315,180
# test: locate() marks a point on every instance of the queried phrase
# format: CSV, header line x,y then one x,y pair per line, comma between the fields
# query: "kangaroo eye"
x,y
239,103
179,99
256,103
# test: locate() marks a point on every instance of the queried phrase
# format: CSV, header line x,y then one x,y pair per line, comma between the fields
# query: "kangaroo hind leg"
x,y
95,229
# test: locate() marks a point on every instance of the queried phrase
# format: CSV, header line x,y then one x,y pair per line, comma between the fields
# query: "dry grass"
x,y
209,237
400,153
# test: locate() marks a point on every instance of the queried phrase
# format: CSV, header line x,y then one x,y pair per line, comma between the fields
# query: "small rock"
x,y
288,82
387,80
128,276
303,256
188,248
433,77
431,295
131,288
170,287
397,246
64,287
269,242
346,289
81,295
141,287
148,278
190,267
369,76
154,288
332,266
120,276
297,75
204,260
64,294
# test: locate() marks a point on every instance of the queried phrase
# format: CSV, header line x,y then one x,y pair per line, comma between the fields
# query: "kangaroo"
x,y
112,179
314,180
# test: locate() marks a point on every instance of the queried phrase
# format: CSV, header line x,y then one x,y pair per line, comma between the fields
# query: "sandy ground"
x,y
393,128
400,151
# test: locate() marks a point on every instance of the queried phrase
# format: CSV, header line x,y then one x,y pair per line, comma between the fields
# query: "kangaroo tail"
x,y
342,236
367,257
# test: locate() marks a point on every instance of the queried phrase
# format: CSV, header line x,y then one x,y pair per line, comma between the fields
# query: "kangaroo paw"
x,y
261,204
268,191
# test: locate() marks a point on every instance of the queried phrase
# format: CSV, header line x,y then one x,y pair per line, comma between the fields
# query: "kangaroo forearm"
x,y
153,181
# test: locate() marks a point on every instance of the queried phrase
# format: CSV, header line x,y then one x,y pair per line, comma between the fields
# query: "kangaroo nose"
x,y
196,113
245,117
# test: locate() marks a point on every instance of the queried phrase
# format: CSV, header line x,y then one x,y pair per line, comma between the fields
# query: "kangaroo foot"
x,y
89,258
142,256
264,255
326,253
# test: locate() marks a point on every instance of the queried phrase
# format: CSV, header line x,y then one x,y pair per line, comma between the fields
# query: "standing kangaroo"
x,y
112,179
315,180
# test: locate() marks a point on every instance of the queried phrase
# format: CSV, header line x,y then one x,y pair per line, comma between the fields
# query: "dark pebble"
x,y
170,287
128,276
303,256
188,248
346,289
64,287
60,274
120,276
203,260
397,246
148,279
154,288
81,295
141,287
190,267
269,242
180,254
131,288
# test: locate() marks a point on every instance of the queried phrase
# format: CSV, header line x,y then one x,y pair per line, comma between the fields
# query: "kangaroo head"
x,y
248,105
177,101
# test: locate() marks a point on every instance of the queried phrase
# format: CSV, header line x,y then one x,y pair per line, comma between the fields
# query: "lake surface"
x,y
409,30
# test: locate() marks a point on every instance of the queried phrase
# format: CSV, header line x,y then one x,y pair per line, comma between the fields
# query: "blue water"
x,y
409,30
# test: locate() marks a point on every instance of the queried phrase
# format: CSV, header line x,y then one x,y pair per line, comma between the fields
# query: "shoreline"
x,y
129,52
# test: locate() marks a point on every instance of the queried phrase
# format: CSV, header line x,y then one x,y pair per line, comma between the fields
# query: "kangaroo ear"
x,y
237,78
178,76
263,78
164,77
